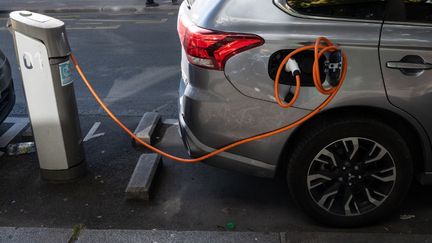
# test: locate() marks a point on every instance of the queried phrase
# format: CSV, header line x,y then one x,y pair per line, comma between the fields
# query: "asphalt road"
x,y
131,59
133,62
187,197
7,5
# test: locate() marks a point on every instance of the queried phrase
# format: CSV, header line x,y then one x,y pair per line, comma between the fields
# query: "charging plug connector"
x,y
293,67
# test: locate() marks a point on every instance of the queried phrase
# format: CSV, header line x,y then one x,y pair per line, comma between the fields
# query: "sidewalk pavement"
x,y
61,6
49,235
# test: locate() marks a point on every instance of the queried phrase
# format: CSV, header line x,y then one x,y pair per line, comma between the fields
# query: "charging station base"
x,y
65,175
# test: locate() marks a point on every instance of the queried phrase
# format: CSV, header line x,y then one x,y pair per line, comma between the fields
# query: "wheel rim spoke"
x,y
377,157
355,144
315,177
347,205
324,198
329,154
373,200
385,179
381,175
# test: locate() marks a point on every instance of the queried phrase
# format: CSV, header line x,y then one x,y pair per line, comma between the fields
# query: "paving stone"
x,y
176,236
29,235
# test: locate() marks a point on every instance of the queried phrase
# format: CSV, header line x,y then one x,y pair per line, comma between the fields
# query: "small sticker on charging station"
x,y
66,76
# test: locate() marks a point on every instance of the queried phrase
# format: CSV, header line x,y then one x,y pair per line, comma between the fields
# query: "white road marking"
x,y
101,21
18,125
170,121
67,17
151,21
120,20
161,107
109,27
95,23
91,134
141,21
138,13
122,88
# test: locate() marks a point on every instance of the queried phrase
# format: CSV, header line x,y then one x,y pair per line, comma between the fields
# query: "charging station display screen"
x,y
65,73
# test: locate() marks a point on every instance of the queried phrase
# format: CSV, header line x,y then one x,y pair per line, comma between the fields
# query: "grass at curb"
x,y
76,231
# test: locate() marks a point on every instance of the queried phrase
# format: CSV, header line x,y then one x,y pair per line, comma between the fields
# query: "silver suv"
x,y
351,164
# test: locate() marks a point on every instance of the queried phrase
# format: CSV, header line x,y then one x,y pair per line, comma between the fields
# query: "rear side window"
x,y
418,11
353,9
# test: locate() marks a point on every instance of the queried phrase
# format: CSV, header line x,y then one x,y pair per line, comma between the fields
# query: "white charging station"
x,y
43,51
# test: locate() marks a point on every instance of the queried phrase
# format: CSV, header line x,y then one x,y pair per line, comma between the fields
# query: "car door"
x,y
406,58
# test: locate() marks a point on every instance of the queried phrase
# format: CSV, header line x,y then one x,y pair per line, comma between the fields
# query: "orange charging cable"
x,y
322,45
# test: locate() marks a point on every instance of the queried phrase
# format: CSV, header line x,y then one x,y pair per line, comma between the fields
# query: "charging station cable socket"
x,y
333,67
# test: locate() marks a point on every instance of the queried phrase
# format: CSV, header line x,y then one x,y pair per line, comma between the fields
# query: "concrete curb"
x,y
24,235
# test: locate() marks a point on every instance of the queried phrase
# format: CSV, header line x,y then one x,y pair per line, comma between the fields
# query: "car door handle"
x,y
409,65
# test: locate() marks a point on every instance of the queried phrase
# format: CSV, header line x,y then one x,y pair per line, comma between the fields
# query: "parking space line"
x,y
94,23
151,21
91,134
170,121
109,20
108,27
67,16
161,107
12,132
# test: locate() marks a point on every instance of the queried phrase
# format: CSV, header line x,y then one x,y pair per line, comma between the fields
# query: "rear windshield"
x,y
353,9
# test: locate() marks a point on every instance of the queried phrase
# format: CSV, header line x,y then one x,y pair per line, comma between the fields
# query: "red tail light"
x,y
211,49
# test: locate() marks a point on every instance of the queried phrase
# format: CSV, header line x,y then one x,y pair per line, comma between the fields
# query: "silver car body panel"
x,y
218,108
208,121
411,93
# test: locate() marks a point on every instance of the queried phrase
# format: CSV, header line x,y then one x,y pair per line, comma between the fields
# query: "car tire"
x,y
350,172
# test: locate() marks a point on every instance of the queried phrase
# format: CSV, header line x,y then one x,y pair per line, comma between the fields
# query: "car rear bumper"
x,y
224,160
196,147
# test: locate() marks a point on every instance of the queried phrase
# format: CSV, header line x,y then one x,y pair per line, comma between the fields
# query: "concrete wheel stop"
x,y
149,164
146,127
142,180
